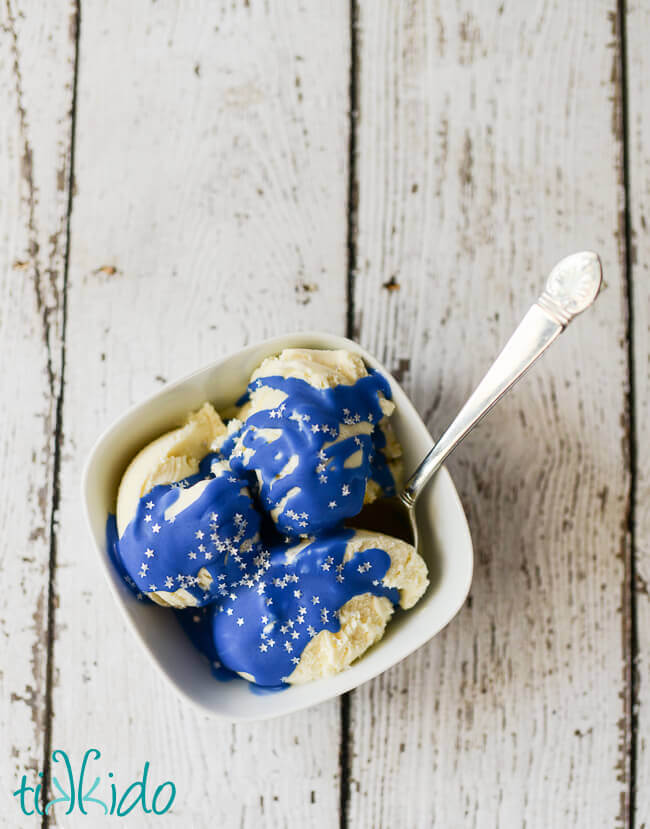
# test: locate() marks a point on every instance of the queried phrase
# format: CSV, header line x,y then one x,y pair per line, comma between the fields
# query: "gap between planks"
x,y
630,620
58,438
352,228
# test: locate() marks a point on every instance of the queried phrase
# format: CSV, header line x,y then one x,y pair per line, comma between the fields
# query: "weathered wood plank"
x,y
488,147
638,69
211,176
36,54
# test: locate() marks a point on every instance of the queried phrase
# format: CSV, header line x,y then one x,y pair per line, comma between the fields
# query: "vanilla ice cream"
x,y
171,457
181,512
245,520
316,606
315,435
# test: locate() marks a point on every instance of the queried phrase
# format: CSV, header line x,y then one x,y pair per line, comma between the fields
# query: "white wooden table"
x,y
180,179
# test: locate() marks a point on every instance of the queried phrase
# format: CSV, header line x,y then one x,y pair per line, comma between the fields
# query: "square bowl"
x,y
445,541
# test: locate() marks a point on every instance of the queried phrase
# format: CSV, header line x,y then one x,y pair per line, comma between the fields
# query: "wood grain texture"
x,y
36,53
638,69
489,146
211,176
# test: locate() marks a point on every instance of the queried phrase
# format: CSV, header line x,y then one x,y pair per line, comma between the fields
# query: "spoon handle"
x,y
572,286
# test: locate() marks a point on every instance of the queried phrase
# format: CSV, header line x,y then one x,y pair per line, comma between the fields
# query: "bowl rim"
x,y
269,345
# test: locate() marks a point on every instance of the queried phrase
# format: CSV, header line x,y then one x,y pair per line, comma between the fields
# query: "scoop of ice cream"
x,y
181,513
308,610
363,618
321,368
310,434
171,457
188,538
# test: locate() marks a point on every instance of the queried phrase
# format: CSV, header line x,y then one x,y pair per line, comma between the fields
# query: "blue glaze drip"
x,y
197,624
308,423
246,396
265,690
218,531
113,548
261,628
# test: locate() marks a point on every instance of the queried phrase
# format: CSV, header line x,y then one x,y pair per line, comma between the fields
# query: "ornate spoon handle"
x,y
572,286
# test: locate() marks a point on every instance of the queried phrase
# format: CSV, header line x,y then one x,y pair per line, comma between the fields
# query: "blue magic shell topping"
x,y
261,594
263,624
184,535
312,456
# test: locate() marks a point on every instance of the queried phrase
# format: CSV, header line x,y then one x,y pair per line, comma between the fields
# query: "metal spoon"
x,y
572,286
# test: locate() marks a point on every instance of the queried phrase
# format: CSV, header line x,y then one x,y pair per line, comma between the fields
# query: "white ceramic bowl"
x,y
445,541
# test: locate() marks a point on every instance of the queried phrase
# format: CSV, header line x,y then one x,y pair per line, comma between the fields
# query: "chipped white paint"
x,y
638,26
34,157
211,176
486,153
